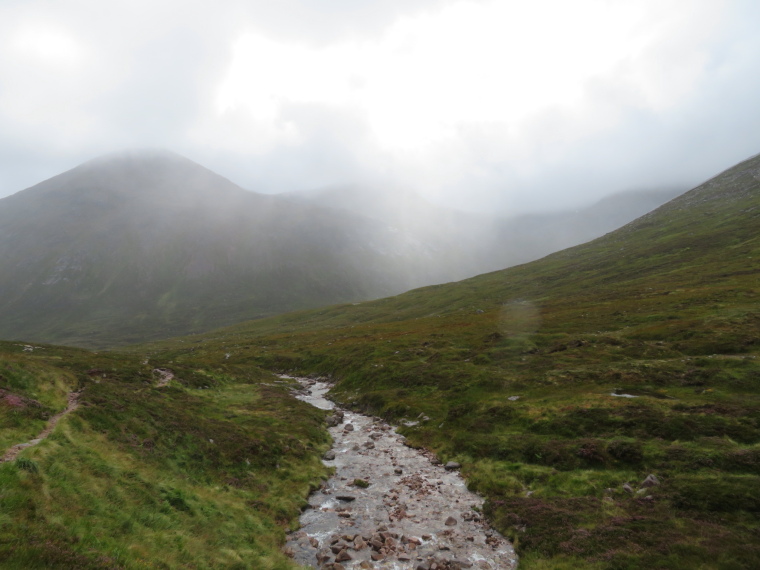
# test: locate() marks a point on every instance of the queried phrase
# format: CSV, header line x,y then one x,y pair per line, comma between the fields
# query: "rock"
x,y
513,398
650,481
404,557
349,427
369,445
451,466
377,556
323,556
451,521
314,542
329,455
338,566
463,563
627,488
288,551
343,556
347,498
365,565
359,543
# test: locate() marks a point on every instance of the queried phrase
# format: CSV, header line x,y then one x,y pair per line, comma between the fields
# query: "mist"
x,y
495,108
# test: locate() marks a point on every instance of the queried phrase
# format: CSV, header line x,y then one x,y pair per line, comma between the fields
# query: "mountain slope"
x,y
149,244
561,384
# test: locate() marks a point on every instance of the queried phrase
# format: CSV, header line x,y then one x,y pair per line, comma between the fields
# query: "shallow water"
x,y
399,521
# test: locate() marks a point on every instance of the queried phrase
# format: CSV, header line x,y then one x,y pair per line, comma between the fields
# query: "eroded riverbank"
x,y
390,506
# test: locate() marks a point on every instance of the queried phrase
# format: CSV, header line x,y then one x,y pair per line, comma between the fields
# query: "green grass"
x,y
141,477
516,372
666,309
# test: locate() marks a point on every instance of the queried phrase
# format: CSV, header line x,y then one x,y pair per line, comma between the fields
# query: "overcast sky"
x,y
492,105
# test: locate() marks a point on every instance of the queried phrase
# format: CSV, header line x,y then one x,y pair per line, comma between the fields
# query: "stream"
x,y
389,506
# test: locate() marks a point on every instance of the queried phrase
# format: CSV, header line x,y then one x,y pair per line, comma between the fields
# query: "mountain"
x,y
478,243
562,384
142,245
147,244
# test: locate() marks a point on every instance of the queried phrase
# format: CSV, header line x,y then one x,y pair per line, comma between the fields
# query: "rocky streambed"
x,y
390,506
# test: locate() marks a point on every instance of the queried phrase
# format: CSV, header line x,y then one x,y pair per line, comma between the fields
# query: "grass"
x,y
206,476
520,374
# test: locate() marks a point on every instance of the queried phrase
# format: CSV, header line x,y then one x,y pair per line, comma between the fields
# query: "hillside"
x,y
195,469
561,384
143,245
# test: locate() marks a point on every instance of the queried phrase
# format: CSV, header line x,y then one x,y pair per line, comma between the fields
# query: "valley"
x,y
517,375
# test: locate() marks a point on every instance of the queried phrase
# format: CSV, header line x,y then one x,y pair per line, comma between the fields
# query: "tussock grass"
x,y
520,374
140,477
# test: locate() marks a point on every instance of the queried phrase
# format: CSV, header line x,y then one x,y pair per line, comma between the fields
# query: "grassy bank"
x,y
207,472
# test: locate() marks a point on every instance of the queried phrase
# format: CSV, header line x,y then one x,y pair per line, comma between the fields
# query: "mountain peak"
x,y
137,172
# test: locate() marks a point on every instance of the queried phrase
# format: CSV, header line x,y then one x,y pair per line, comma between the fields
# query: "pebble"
x,y
416,514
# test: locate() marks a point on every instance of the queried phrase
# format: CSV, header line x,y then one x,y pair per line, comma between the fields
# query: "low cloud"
x,y
482,105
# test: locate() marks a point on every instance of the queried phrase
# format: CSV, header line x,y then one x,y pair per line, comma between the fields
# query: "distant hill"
x,y
479,243
141,245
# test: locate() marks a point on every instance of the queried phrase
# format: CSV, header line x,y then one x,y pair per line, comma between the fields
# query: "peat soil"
x,y
389,506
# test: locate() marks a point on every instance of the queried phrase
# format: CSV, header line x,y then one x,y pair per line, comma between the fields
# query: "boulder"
x,y
452,466
650,481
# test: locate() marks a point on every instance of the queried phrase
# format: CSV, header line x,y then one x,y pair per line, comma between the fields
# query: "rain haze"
x,y
491,106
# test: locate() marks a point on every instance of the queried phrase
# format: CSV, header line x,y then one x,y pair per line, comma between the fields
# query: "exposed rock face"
x,y
412,513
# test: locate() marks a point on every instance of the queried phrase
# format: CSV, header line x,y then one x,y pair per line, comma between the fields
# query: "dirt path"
x,y
12,453
412,513
165,376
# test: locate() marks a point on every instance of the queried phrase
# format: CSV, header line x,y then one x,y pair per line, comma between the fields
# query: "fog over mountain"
x,y
491,242
144,244
494,106
148,244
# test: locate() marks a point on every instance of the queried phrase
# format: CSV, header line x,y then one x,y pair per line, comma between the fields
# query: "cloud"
x,y
482,104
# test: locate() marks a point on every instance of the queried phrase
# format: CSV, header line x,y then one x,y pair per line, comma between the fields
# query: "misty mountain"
x,y
148,244
140,245
470,243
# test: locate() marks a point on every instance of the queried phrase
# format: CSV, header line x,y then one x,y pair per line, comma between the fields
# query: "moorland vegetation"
x,y
560,386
